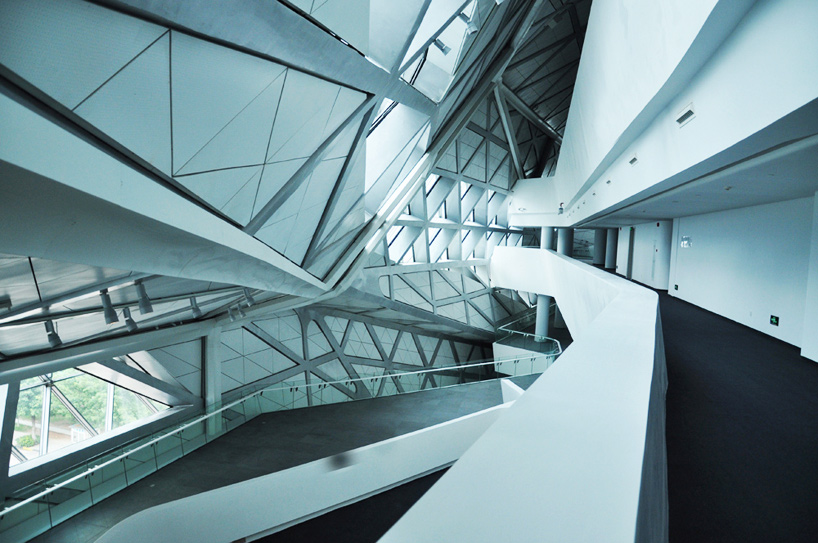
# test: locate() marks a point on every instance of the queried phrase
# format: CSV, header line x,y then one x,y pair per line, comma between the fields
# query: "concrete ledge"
x,y
581,455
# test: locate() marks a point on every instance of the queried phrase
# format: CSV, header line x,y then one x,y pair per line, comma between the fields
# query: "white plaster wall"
x,y
630,50
747,264
651,253
731,100
809,344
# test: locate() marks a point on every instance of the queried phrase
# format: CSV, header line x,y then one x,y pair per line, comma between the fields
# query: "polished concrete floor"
x,y
277,441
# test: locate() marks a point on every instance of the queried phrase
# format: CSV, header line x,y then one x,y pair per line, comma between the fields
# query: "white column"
x,y
541,328
610,250
565,241
565,246
600,241
212,377
547,238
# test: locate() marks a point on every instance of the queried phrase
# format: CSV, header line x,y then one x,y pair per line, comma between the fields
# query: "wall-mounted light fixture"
x,y
144,302
471,26
445,49
248,297
107,308
194,307
53,339
129,322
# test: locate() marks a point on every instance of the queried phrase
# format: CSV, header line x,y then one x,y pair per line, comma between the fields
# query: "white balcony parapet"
x,y
581,455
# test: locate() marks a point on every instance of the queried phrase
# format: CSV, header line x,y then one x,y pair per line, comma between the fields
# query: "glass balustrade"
x,y
44,505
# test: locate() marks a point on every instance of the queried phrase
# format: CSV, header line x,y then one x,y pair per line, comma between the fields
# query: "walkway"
x,y
277,441
742,432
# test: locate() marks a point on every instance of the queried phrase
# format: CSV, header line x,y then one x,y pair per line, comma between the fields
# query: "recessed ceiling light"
x,y
728,187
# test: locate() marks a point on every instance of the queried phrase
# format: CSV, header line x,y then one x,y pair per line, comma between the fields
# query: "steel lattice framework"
x,y
306,194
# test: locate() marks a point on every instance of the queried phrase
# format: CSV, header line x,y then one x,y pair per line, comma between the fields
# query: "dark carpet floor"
x,y
362,522
742,432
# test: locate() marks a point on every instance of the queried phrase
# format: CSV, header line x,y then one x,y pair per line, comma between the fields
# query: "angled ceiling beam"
x,y
546,153
416,55
545,99
508,128
491,136
529,114
563,70
539,26
425,316
379,225
275,32
304,171
76,293
50,209
579,32
539,52
123,375
529,81
395,69
338,189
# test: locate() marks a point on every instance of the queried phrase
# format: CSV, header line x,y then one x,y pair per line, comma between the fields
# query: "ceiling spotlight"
x,y
231,314
445,49
471,26
499,2
129,322
194,307
144,302
107,308
53,339
242,314
249,297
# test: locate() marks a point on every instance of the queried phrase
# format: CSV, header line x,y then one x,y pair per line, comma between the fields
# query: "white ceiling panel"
x,y
133,107
274,176
310,110
243,141
212,85
69,48
231,191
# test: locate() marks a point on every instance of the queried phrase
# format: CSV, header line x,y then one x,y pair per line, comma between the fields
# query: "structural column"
x,y
548,238
565,241
541,328
212,371
600,241
9,394
610,250
565,246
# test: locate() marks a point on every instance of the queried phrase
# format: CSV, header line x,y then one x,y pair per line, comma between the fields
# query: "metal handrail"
x,y
230,405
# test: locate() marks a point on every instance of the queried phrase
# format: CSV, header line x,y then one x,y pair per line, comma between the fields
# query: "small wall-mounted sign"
x,y
686,242
773,320
675,287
